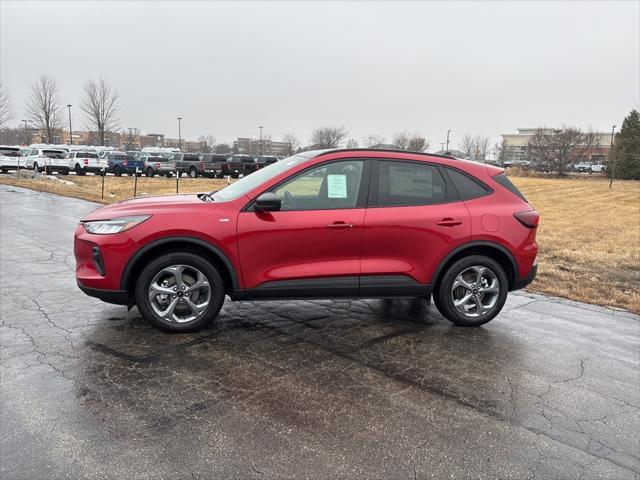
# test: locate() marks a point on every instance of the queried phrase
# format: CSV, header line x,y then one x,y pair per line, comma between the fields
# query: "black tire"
x,y
443,297
168,174
117,171
65,171
179,258
150,172
3,170
36,167
193,173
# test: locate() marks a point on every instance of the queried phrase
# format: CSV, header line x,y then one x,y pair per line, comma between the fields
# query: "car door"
x,y
413,220
311,247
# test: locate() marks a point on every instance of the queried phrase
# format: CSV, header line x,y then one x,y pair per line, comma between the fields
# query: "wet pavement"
x,y
306,389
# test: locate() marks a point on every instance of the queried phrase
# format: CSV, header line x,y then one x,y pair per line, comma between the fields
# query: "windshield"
x,y
248,183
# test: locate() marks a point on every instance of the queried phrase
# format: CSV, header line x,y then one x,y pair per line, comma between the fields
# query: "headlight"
x,y
116,225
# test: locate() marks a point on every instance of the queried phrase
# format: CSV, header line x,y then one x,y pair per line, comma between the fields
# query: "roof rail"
x,y
326,152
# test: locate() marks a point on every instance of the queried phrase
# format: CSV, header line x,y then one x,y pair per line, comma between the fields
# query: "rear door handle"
x,y
448,222
340,225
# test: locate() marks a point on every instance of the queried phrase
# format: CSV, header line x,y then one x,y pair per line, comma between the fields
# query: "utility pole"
x,y
179,134
447,151
27,137
260,127
612,163
442,147
70,129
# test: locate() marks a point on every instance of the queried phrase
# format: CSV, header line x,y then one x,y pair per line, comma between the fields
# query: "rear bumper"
x,y
523,282
119,297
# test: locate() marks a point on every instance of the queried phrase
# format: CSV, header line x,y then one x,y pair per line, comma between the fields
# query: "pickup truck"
x,y
83,162
188,163
11,158
241,165
47,159
119,163
582,167
155,164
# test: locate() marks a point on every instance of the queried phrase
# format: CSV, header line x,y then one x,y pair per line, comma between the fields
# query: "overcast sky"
x,y
483,68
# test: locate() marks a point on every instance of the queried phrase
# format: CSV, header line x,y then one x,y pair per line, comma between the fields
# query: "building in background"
x,y
516,145
253,146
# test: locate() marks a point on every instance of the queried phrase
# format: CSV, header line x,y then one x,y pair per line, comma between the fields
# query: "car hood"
x,y
144,206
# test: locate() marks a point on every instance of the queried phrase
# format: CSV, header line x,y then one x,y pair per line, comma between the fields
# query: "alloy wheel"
x,y
179,293
475,291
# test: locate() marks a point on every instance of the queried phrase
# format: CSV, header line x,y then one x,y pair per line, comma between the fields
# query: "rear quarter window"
x,y
502,179
467,186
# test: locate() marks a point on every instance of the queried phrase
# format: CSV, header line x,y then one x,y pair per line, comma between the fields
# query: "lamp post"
x,y
260,127
447,151
179,134
70,129
612,164
27,137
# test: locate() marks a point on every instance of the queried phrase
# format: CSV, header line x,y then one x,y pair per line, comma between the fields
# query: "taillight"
x,y
529,219
157,165
86,161
125,163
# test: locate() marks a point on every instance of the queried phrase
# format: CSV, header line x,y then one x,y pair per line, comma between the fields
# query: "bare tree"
x,y
43,106
129,137
558,148
418,143
468,145
482,148
207,142
374,140
222,148
401,140
292,141
328,137
6,112
352,143
100,105
499,152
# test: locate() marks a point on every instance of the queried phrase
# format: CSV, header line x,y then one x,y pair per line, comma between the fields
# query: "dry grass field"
x,y
589,235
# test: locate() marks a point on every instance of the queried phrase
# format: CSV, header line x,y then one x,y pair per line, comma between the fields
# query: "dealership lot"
x,y
309,389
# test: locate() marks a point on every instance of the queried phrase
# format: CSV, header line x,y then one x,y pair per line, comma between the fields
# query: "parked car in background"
x,y
265,160
214,165
321,224
83,162
11,158
48,160
119,163
598,168
582,167
158,165
188,163
241,165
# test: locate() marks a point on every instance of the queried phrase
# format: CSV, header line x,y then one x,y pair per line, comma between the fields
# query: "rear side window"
x,y
467,187
87,155
406,183
506,183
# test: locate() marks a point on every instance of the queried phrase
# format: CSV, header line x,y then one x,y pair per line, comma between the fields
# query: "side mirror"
x,y
268,202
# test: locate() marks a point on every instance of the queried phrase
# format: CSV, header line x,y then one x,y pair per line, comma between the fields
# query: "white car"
x,y
83,162
51,159
598,168
11,158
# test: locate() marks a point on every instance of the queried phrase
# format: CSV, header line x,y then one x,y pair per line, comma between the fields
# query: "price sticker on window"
x,y
337,186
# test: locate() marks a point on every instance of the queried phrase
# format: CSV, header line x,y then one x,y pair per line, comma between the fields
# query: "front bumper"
x,y
523,282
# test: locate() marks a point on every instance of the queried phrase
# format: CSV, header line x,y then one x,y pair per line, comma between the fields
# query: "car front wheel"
x,y
472,291
179,292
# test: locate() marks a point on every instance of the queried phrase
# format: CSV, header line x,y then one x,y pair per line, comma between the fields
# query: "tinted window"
x,y
404,183
506,183
467,187
10,152
54,153
327,187
87,155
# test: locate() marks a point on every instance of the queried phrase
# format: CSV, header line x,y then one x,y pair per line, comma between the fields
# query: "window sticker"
x,y
337,186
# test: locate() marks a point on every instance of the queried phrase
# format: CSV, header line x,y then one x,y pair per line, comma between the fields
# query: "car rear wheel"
x,y
64,171
193,173
472,291
150,172
36,167
117,171
179,292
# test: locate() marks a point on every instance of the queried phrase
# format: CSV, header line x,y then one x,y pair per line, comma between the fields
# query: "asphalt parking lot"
x,y
306,389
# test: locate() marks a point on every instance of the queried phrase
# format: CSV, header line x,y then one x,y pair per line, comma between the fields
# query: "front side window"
x,y
327,187
409,183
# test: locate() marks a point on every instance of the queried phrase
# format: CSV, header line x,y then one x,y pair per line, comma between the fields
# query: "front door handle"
x,y
340,225
448,222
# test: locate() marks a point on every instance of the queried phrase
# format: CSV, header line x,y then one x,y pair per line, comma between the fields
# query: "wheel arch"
x,y
171,244
497,252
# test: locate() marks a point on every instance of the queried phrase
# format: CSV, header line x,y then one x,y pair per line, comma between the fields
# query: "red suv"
x,y
323,224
